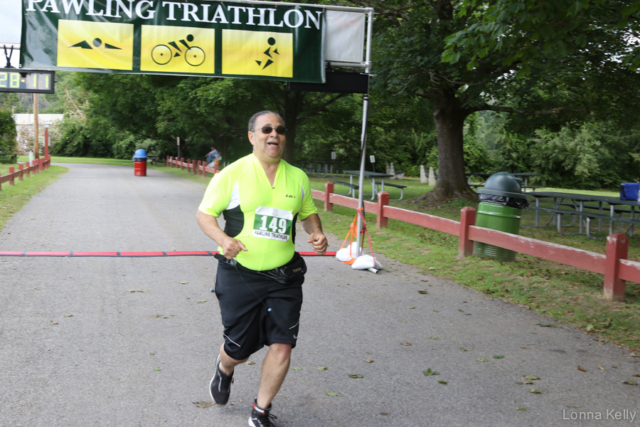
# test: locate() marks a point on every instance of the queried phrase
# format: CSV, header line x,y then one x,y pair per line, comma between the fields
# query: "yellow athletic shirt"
x,y
260,216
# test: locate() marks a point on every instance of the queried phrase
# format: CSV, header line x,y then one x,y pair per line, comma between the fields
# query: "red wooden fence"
x,y
37,166
197,167
614,265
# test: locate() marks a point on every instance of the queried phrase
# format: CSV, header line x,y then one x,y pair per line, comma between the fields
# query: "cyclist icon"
x,y
268,52
162,54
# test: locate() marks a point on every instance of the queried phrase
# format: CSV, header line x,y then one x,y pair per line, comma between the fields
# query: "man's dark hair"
x,y
252,120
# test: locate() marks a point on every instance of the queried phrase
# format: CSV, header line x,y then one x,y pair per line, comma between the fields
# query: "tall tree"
x,y
296,108
414,38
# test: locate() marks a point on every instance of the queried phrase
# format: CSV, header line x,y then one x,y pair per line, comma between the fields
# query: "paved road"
x,y
132,342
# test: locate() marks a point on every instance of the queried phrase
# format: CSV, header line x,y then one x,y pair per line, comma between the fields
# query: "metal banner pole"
x,y
365,111
365,114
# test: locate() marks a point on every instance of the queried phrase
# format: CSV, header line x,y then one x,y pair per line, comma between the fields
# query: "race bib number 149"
x,y
272,223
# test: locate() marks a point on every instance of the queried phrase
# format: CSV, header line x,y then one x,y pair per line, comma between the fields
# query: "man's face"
x,y
267,147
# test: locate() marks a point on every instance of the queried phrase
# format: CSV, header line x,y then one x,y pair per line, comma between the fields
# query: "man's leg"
x,y
274,369
227,364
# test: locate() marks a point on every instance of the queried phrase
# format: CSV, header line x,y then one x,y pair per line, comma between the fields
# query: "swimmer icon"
x,y
163,54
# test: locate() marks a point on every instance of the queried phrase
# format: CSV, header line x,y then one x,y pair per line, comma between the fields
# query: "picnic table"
x,y
371,176
153,158
320,168
524,175
580,210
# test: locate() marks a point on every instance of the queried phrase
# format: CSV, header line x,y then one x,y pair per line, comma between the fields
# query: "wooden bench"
x,y
588,216
352,187
386,184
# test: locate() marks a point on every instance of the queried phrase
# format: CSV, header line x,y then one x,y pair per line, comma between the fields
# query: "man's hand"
x,y
231,247
319,242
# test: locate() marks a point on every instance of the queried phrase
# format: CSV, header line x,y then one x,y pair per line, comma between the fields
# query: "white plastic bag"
x,y
365,261
343,254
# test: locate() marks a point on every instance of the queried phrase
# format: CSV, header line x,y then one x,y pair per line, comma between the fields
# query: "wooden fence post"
x,y
383,200
12,174
28,168
20,171
467,218
181,163
196,170
617,248
328,190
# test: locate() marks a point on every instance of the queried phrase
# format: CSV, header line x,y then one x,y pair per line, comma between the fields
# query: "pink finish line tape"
x,y
126,254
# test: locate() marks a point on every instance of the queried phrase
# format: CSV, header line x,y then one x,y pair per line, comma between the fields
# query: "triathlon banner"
x,y
251,40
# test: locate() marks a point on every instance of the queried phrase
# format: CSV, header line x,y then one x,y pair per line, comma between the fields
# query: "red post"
x,y
181,163
467,218
383,200
328,190
617,248
46,141
28,168
12,174
215,168
21,171
196,170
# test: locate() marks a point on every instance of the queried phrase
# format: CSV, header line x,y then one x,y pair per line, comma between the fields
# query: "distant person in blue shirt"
x,y
212,157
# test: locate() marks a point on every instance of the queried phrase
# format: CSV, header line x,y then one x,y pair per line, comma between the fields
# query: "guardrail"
x,y
197,167
615,266
37,166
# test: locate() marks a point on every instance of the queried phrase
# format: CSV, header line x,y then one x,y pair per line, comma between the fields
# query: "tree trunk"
x,y
449,116
292,108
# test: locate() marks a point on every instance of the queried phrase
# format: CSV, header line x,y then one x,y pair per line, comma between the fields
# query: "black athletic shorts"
x,y
256,310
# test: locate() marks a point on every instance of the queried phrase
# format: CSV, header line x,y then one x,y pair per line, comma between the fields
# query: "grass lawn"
x,y
567,294
14,197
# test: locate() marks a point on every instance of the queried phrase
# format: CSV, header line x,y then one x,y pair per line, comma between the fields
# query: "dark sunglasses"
x,y
280,130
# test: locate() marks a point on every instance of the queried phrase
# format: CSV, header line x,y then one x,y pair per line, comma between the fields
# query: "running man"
x,y
259,278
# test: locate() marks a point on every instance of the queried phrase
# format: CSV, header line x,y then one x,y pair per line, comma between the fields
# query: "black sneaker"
x,y
261,417
220,386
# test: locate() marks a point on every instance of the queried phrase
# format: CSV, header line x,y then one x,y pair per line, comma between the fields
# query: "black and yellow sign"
x,y
250,40
177,49
86,44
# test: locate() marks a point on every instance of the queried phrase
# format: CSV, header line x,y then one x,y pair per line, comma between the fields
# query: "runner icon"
x,y
194,55
268,52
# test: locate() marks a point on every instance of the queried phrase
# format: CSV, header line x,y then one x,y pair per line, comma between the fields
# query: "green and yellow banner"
x,y
206,38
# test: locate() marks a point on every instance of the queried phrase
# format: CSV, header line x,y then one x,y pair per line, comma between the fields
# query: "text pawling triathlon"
x,y
183,12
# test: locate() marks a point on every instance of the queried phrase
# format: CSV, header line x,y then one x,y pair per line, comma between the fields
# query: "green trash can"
x,y
500,208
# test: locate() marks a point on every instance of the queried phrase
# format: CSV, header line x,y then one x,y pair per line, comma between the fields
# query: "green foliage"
x,y
7,137
590,156
527,32
80,139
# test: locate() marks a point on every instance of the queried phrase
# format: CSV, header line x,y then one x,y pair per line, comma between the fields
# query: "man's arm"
x,y
209,224
313,226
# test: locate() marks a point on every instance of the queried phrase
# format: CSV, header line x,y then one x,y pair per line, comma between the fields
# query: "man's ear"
x,y
251,136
